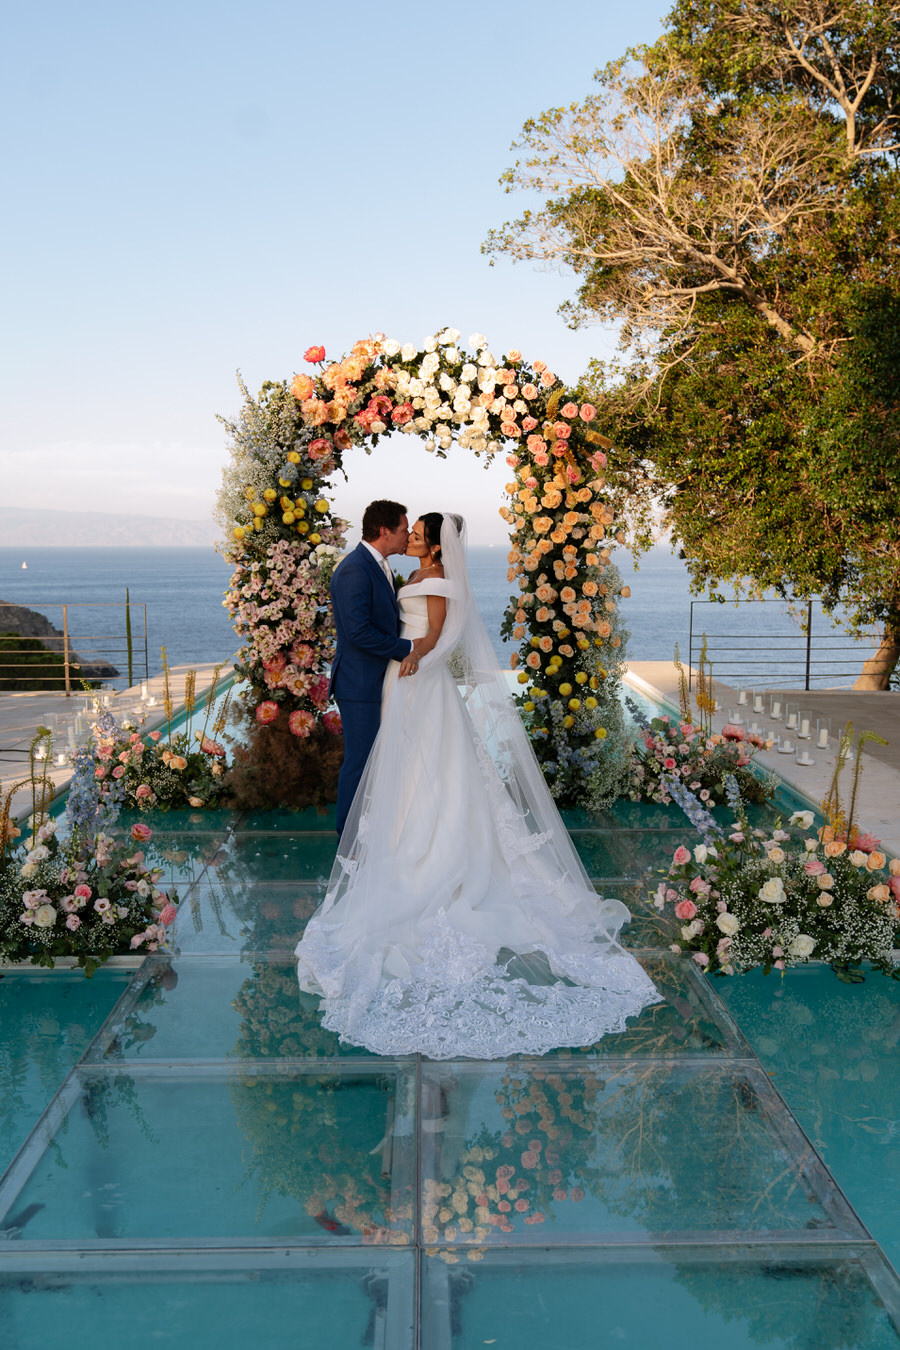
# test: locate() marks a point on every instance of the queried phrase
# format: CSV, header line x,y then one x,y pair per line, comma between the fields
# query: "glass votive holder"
x,y
791,716
776,707
786,745
823,732
743,697
803,756
759,703
735,717
804,724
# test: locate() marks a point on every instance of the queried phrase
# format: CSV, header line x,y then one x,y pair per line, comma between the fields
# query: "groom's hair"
x,y
380,516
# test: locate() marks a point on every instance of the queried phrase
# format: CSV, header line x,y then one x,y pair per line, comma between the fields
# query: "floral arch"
x,y
284,541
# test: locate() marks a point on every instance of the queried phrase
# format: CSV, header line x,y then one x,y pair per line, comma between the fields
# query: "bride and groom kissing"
x,y
458,919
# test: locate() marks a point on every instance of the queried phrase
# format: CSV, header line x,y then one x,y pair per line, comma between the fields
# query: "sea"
x,y
180,590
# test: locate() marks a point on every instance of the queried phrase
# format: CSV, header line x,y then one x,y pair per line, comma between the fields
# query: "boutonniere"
x,y
399,580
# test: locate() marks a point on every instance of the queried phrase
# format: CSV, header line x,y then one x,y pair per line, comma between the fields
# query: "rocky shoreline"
x,y
24,622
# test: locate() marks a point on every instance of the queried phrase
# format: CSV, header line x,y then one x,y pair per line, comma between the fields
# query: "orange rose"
x,y
880,892
589,588
542,615
314,412
303,387
546,644
567,594
533,660
834,848
314,355
875,861
603,628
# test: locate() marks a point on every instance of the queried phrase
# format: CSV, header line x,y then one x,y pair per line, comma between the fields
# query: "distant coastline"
x,y
27,528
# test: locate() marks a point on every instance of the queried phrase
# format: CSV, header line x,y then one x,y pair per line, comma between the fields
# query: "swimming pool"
x,y
192,1160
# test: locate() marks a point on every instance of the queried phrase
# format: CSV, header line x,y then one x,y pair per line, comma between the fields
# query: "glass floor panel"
x,y
216,1008
219,917
724,1298
258,856
832,1051
629,853
225,1154
340,1300
48,1019
631,1152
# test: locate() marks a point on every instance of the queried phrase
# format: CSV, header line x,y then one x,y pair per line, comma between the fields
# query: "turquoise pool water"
x,y
189,1159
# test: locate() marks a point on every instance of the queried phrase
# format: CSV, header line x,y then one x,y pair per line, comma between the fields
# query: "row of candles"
x,y
79,728
796,720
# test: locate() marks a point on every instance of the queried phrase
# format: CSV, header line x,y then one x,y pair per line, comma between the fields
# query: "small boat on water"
x,y
24,567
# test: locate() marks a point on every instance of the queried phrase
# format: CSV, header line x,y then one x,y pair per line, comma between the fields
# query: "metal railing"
x,y
77,651
777,658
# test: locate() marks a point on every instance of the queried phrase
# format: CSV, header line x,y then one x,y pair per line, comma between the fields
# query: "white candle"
x,y
823,738
792,720
144,689
787,747
803,758
776,707
758,703
151,702
72,744
742,696
804,727
60,759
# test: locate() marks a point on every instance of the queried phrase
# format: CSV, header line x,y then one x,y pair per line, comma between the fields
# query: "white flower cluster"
x,y
452,394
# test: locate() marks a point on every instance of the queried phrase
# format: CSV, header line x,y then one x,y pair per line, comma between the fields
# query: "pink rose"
x,y
267,712
685,909
73,923
588,412
167,914
141,833
699,886
669,763
318,448
701,958
402,414
83,892
814,868
154,735
142,792
118,771
211,747
681,855
569,410
99,773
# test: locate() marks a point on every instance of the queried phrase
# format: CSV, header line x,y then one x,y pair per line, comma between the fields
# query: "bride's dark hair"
x,y
431,523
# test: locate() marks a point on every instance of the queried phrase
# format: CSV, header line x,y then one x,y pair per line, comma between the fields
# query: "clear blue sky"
x,y
193,188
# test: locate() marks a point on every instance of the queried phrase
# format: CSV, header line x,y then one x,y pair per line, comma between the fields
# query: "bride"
x,y
458,919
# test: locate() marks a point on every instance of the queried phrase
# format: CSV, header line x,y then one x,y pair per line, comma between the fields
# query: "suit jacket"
x,y
367,619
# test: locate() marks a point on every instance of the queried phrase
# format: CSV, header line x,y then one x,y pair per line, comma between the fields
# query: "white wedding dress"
x,y
459,920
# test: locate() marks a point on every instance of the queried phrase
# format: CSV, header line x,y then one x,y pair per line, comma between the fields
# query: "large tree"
x,y
731,200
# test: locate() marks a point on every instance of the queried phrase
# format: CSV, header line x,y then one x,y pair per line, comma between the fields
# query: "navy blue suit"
x,y
367,619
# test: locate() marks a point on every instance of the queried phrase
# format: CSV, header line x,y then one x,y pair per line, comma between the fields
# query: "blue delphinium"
x,y
702,821
637,713
92,803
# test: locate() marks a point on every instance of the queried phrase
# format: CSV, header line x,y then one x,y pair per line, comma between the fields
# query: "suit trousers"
x,y
360,720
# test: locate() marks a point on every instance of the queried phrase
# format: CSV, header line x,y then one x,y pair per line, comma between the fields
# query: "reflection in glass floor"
x,y
201,1163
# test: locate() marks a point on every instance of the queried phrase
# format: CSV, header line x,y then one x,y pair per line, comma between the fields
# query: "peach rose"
x,y
875,861
880,892
303,387
834,848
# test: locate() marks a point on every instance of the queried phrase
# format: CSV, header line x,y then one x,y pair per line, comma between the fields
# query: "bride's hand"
x,y
409,665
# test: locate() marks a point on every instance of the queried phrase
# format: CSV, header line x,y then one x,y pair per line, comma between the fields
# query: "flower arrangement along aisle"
x,y
87,895
162,772
284,540
687,749
751,897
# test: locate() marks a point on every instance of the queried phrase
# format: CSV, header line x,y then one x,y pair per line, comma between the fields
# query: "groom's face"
x,y
395,541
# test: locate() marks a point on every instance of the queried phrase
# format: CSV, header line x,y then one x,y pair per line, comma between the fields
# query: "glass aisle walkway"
x,y
192,1161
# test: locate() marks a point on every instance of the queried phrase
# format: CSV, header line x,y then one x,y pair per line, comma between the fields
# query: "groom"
x,y
367,619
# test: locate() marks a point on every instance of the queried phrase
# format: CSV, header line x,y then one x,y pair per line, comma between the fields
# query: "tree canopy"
x,y
731,200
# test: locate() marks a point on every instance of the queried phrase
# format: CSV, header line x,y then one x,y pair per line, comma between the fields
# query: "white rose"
x,y
487,359
452,354
390,347
520,407
450,336
701,853
429,444
802,819
461,404
477,340
479,416
429,344
378,428
416,388
408,352
487,379
728,924
858,858
45,916
810,845
28,870
432,397
772,892
447,382
801,946
468,372
39,854
776,855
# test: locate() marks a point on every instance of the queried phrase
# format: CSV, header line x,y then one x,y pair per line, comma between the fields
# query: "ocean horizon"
x,y
182,589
